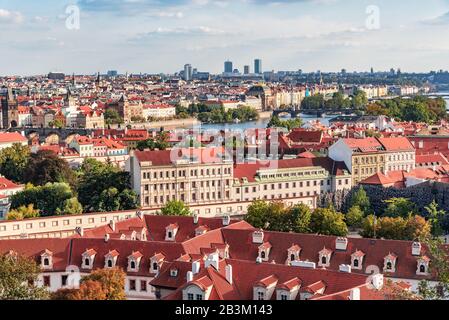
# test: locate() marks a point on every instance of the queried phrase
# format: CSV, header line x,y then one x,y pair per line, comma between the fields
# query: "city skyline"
x,y
162,36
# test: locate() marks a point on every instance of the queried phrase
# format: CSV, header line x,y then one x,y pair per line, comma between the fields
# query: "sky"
x,y
155,36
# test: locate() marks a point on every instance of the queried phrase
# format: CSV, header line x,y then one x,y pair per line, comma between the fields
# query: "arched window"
x,y
109,263
323,260
86,262
46,262
170,234
133,265
292,257
389,265
262,255
356,263
422,268
155,266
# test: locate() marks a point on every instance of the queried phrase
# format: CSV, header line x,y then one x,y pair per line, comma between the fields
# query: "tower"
x,y
228,67
258,66
10,113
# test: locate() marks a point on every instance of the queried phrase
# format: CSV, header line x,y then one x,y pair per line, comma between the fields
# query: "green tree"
x,y
175,208
23,212
354,217
359,100
111,116
257,214
14,161
399,207
18,279
49,199
439,268
109,200
370,227
96,180
70,206
361,200
435,218
45,166
161,143
298,219
326,221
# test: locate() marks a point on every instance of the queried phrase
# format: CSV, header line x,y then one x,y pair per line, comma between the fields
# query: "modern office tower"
x,y
112,73
258,66
188,72
246,69
228,67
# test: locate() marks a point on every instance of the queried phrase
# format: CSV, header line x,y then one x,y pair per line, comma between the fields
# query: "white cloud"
x,y
7,16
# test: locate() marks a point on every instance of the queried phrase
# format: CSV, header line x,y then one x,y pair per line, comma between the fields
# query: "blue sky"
x,y
161,36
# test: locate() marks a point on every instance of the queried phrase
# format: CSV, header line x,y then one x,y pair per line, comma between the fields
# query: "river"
x,y
261,124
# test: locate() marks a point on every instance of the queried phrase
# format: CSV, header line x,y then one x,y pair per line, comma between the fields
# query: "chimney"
x,y
212,260
112,225
196,267
189,276
416,249
195,218
226,220
345,268
106,237
258,236
355,294
341,243
229,274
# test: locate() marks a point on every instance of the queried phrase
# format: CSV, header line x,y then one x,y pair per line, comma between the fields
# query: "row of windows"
x,y
372,170
133,287
291,174
195,197
368,160
183,173
402,157
293,185
56,223
183,185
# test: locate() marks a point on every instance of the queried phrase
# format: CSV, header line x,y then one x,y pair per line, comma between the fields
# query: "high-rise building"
x,y
112,73
228,67
258,66
188,72
246,69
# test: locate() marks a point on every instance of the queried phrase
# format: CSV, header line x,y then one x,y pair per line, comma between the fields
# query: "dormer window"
x,y
324,257
264,251
293,253
47,259
88,259
390,263
357,260
423,266
170,232
156,262
111,259
134,261
173,272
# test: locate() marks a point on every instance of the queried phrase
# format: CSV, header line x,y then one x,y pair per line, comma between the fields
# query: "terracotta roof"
x,y
10,137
